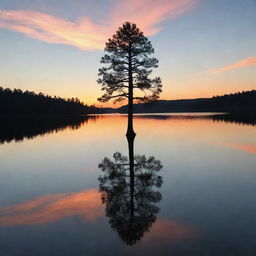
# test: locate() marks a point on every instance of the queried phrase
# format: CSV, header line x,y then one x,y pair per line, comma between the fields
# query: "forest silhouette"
x,y
26,103
236,102
16,103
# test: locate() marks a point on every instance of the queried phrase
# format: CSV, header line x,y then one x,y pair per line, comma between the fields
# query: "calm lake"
x,y
50,203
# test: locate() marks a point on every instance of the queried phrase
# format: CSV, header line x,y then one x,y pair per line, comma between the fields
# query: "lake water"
x,y
50,203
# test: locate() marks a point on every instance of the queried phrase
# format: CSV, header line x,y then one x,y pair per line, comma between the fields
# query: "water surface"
x,y
50,203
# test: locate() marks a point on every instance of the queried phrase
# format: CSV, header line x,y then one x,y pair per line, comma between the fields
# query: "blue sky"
x,y
204,47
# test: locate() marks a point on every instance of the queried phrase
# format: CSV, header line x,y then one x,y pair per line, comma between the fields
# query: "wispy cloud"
x,y
88,35
149,13
165,230
82,34
86,204
251,149
240,64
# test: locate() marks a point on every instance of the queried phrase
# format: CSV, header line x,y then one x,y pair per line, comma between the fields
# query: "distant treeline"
x,y
17,102
238,102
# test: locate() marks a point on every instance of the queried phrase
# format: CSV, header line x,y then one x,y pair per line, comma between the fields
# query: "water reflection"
x,y
50,187
53,207
237,118
18,129
129,191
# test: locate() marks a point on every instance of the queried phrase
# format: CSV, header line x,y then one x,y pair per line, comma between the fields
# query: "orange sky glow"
x,y
50,49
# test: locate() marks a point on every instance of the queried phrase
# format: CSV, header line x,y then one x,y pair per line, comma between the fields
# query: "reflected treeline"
x,y
244,118
18,129
129,191
238,118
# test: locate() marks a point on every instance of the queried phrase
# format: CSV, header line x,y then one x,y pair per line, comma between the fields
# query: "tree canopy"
x,y
128,65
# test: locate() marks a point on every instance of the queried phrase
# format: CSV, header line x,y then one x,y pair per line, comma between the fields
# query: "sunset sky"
x,y
204,47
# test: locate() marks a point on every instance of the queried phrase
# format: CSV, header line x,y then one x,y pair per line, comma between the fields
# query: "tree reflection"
x,y
129,191
20,128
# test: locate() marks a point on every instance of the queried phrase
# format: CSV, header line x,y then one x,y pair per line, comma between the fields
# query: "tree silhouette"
x,y
128,190
127,66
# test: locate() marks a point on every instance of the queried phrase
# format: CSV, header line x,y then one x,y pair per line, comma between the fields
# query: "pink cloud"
x,y
165,230
251,149
87,35
53,207
240,64
149,13
82,34
87,205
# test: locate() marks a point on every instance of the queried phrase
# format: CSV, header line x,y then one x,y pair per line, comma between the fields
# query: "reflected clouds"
x,y
168,231
50,208
87,205
248,148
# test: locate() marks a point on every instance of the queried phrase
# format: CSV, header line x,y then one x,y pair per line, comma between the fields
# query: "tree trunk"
x,y
130,100
130,139
130,116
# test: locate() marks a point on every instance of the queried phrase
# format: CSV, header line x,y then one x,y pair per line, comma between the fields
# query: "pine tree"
x,y
127,66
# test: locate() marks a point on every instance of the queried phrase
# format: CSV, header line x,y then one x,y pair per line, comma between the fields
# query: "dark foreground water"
x,y
195,196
